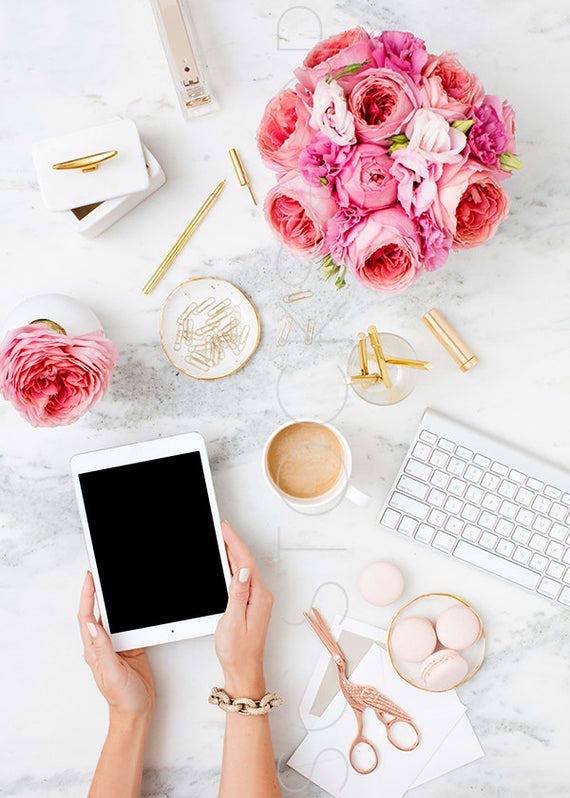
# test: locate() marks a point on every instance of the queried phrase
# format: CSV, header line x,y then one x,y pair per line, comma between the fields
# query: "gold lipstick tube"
x,y
449,339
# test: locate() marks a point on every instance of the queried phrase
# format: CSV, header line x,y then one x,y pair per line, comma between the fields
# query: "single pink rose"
x,y
470,203
354,46
330,113
366,180
382,103
450,88
386,253
284,130
298,212
53,379
400,51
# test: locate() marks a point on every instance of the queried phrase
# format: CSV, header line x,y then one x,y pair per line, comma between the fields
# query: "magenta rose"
x,y
450,88
284,130
493,132
400,51
298,213
435,242
53,379
470,203
386,253
321,160
354,46
382,102
365,180
342,229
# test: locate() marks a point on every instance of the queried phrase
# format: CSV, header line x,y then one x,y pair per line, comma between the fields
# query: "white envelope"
x,y
322,756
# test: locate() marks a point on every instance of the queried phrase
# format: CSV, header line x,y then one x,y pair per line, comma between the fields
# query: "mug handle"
x,y
357,496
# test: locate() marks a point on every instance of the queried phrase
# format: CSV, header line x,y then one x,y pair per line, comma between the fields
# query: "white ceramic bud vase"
x,y
62,313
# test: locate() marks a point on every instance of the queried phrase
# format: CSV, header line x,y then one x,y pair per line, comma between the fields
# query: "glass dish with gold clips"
x,y
209,328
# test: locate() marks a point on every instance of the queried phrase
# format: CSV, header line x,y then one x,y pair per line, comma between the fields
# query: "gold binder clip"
x,y
87,163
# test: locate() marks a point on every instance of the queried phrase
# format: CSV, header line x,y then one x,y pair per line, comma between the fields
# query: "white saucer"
x,y
227,344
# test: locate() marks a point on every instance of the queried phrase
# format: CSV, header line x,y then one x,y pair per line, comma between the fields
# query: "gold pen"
x,y
182,239
377,347
363,353
415,364
241,174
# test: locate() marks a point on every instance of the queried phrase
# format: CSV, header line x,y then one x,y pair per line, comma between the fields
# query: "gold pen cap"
x,y
449,339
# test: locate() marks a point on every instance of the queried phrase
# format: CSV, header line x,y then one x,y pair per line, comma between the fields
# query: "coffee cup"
x,y
308,464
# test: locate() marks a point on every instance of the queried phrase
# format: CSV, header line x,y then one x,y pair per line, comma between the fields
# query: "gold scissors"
x,y
359,697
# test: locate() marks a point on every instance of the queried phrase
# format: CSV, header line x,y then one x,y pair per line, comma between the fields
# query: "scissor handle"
x,y
361,740
409,722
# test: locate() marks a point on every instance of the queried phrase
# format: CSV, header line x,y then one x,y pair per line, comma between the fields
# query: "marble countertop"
x,y
66,66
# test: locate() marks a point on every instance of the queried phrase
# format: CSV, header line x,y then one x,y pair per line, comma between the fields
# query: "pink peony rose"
x,y
400,51
382,102
366,180
386,253
449,88
330,113
471,203
299,212
416,179
284,130
435,242
342,229
493,132
354,46
321,160
53,379
431,136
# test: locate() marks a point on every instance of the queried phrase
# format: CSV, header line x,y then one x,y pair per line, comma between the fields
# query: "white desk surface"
x,y
71,65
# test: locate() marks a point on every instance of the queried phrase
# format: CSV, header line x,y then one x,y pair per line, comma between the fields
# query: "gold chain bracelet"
x,y
244,706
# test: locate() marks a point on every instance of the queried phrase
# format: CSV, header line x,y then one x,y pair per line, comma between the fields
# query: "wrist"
x,y
126,722
245,685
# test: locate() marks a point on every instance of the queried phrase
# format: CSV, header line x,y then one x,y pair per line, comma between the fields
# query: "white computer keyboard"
x,y
486,503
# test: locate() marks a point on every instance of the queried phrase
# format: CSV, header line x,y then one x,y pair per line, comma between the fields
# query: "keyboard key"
x,y
552,492
456,467
507,489
439,479
471,532
541,524
566,557
457,487
453,525
555,570
504,527
453,505
407,525
505,547
558,532
535,484
428,437
463,452
490,561
491,502
517,476
487,520
418,490
482,461
490,481
421,451
565,498
437,517
564,597
549,588
525,516
567,576
538,562
488,540
439,458
500,469
524,496
508,509
522,555
447,445
538,542
443,541
473,474
474,494
417,469
425,533
436,497
470,512
408,505
558,511
521,535
390,519
541,504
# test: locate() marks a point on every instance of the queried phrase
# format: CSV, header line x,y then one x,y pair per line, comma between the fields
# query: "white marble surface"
x,y
70,65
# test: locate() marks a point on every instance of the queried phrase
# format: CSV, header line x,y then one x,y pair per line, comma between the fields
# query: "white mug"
x,y
308,463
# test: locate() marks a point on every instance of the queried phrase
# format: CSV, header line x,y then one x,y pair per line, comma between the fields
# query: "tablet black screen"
x,y
154,541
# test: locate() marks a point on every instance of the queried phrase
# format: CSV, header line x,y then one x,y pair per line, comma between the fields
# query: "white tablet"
x,y
154,539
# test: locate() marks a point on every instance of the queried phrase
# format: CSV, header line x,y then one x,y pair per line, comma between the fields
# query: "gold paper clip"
x,y
87,163
284,332
297,296
309,331
241,174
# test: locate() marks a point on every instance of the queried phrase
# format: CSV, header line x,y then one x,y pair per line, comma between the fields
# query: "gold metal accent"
x,y
414,364
53,325
309,331
241,174
483,637
364,378
244,706
377,347
87,163
363,352
449,339
284,332
297,296
199,101
194,223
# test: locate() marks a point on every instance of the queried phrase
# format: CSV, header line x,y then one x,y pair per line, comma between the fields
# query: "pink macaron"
x,y
413,639
444,670
458,627
381,583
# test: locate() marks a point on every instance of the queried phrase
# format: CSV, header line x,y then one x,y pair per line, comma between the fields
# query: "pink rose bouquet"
x,y
387,158
52,379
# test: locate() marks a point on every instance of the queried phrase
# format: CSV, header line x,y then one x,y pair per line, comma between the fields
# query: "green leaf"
x,y
464,125
340,282
399,140
509,161
323,181
329,267
347,70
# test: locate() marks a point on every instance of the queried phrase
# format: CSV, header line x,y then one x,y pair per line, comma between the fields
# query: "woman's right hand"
x,y
242,630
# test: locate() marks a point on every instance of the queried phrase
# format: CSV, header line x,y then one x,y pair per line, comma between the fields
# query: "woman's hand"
x,y
242,630
124,678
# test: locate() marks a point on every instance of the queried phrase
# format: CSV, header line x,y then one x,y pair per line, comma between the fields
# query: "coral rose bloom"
x,y
53,379
382,102
284,130
449,87
471,203
354,46
386,253
298,213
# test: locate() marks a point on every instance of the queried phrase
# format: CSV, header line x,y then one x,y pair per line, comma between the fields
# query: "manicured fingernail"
x,y
92,629
243,575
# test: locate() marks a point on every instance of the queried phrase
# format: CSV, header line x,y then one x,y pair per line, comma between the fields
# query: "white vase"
x,y
65,312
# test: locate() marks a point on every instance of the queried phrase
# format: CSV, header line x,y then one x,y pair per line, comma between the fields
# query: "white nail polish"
x,y
92,629
243,575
